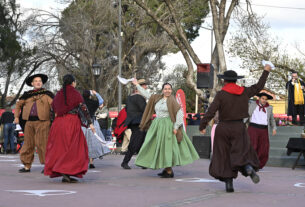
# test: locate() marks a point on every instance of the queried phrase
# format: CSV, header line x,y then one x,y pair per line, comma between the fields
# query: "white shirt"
x,y
259,117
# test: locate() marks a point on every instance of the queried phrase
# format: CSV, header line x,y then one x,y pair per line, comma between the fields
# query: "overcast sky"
x,y
286,23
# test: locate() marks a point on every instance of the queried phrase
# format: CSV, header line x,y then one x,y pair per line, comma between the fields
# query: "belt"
x,y
238,120
259,126
33,118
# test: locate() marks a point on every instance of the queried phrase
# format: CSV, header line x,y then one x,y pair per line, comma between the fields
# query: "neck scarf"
x,y
232,88
261,107
298,94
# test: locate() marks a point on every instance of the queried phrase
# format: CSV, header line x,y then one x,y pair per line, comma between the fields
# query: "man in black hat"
x,y
261,119
232,150
36,111
135,107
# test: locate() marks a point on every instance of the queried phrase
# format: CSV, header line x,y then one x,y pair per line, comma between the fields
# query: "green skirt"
x,y
161,149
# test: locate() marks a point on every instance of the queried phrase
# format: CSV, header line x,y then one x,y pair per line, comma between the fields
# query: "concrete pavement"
x,y
110,185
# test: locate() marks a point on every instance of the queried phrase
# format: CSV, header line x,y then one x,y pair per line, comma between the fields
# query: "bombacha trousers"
x,y
35,135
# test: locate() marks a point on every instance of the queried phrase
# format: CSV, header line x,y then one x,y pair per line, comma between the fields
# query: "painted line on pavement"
x,y
42,193
299,185
197,180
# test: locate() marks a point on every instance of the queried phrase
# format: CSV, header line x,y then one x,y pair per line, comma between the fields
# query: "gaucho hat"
x,y
229,75
269,97
30,79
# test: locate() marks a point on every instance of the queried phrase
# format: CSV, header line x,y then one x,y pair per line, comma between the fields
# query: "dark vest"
x,y
135,108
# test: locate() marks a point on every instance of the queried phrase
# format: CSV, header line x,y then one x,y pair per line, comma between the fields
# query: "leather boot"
x,y
251,172
229,185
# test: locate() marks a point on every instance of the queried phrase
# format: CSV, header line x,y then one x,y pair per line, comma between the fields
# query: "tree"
x,y
178,78
86,33
253,43
17,57
171,17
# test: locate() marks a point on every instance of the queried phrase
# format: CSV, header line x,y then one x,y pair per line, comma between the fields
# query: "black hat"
x,y
265,94
30,79
230,75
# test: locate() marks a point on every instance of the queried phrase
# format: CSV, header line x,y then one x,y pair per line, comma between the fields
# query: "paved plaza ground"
x,y
110,185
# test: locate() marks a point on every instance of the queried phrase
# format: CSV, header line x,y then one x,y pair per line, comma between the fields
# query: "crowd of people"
x,y
69,129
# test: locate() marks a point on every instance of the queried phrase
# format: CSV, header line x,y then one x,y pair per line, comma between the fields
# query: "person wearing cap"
x,y
295,89
36,111
232,149
261,119
135,107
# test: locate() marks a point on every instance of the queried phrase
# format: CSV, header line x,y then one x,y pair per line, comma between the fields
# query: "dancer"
x,y
166,144
95,147
36,107
232,150
67,151
135,107
261,119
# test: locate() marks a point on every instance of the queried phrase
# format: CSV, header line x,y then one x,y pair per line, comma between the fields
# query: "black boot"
x,y
91,166
229,185
167,175
251,172
162,173
23,170
125,166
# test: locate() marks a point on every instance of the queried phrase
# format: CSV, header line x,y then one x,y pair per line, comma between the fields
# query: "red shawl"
x,y
233,89
74,98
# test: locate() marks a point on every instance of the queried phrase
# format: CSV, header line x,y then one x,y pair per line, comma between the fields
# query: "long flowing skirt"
x,y
95,147
67,151
161,149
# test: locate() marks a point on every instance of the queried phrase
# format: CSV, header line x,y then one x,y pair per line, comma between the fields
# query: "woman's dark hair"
x,y
164,84
86,94
68,80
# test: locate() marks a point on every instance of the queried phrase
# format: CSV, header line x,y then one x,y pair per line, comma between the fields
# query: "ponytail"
x,y
68,80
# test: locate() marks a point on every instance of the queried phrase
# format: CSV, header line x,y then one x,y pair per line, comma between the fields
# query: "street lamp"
x,y
96,70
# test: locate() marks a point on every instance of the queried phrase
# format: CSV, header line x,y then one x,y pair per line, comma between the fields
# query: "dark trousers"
x,y
232,150
299,109
8,131
260,142
136,142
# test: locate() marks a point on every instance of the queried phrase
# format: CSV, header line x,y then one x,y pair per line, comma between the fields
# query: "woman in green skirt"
x,y
166,143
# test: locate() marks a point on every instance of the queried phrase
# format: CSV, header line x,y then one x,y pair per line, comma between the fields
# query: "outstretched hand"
x,y
267,68
135,82
203,131
92,128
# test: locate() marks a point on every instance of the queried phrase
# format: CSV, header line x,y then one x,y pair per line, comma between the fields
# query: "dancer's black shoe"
x,y
167,175
229,185
125,166
251,172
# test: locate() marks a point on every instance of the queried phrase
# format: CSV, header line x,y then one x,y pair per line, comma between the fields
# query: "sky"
x,y
287,24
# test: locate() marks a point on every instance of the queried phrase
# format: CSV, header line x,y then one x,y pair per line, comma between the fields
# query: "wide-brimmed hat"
x,y
229,75
269,97
142,82
30,79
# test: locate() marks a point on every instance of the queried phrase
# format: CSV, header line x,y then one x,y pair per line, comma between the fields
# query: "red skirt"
x,y
67,150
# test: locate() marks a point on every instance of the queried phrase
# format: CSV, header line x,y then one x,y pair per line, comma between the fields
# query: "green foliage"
x,y
9,44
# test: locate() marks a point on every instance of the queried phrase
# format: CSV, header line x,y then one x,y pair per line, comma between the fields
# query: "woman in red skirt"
x,y
67,151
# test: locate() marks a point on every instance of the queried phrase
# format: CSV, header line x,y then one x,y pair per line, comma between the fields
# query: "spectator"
x,y
7,120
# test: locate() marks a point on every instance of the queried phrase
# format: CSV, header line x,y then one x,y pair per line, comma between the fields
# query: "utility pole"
x,y
120,56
